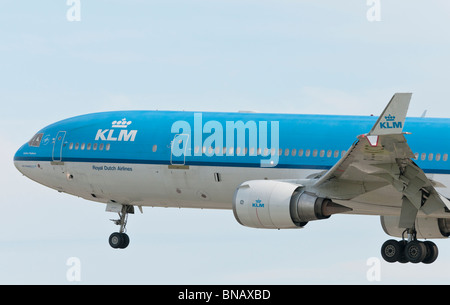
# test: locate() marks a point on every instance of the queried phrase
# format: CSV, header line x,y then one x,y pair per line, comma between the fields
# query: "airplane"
x,y
275,171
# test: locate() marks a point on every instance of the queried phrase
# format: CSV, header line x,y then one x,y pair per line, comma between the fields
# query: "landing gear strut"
x,y
120,240
410,250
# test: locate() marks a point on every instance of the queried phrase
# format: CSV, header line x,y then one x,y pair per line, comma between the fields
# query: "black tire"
x,y
391,251
116,240
432,252
415,251
126,241
402,258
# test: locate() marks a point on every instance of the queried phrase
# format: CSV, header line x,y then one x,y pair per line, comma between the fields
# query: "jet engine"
x,y
279,205
426,227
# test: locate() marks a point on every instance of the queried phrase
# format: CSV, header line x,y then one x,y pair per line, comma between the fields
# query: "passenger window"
x,y
89,146
430,157
155,148
77,145
71,146
322,153
108,146
445,157
308,152
423,156
83,146
95,146
336,153
315,153
286,152
300,152
101,146
294,152
438,157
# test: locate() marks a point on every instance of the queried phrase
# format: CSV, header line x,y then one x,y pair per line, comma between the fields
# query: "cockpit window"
x,y
36,140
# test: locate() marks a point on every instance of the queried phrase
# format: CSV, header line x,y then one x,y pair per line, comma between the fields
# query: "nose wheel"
x,y
120,240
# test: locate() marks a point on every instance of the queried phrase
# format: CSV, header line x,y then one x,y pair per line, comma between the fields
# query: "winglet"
x,y
392,120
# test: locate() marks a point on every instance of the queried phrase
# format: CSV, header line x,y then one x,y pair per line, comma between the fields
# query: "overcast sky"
x,y
304,56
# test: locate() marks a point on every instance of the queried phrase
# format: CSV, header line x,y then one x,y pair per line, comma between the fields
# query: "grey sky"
x,y
320,56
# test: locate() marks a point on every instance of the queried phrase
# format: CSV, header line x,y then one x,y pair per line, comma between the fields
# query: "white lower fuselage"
x,y
181,186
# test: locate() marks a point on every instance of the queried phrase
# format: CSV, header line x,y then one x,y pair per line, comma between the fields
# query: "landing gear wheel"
x,y
415,251
119,240
402,259
391,251
432,252
115,240
126,241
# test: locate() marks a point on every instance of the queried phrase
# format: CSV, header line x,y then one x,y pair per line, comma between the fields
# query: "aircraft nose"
x,y
18,156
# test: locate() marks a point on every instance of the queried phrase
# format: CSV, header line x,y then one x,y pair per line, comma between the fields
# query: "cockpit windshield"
x,y
36,140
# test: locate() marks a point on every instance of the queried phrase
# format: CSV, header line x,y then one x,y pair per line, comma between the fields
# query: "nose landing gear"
x,y
120,240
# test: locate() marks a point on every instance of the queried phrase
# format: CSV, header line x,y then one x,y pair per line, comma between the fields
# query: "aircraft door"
x,y
179,149
58,146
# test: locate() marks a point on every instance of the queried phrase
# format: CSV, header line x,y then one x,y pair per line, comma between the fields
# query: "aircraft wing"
x,y
383,158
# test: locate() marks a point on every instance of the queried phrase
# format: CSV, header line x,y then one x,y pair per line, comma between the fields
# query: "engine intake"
x,y
279,205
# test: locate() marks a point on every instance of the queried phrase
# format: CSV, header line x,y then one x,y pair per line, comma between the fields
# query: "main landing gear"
x,y
412,250
120,240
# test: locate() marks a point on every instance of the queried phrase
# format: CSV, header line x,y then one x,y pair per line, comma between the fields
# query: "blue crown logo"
x,y
258,204
390,118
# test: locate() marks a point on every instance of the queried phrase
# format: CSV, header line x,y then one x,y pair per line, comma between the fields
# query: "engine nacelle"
x,y
279,205
426,227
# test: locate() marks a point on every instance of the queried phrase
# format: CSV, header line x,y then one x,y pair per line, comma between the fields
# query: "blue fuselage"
x,y
224,139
